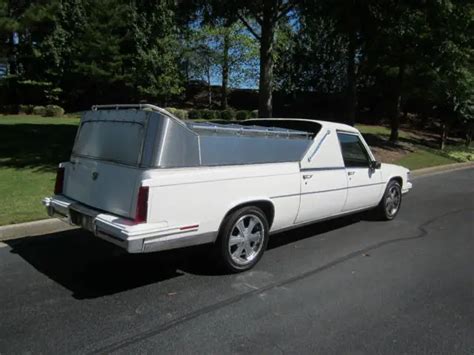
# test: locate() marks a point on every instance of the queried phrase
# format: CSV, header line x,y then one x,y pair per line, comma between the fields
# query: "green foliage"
x,y
181,114
242,115
193,114
39,110
54,111
25,109
227,114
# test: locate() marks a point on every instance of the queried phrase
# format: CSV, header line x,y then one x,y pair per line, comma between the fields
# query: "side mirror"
x,y
374,164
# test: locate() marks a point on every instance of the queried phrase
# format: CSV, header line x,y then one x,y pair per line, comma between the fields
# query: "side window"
x,y
353,151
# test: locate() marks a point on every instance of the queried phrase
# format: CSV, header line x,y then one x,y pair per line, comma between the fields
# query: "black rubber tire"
x,y
222,244
381,210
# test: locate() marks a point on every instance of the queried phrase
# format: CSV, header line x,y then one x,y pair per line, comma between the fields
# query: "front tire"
x,y
391,202
242,239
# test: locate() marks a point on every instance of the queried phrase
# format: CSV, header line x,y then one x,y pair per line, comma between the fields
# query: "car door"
x,y
323,180
364,184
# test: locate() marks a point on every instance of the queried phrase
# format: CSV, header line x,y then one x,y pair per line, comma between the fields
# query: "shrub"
x,y
171,110
227,114
9,109
25,109
39,110
254,114
193,114
209,114
54,111
242,115
182,114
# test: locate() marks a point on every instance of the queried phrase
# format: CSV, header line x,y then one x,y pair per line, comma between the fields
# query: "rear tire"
x,y
242,239
391,202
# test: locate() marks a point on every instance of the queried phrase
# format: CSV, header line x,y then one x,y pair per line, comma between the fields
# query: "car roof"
x,y
324,124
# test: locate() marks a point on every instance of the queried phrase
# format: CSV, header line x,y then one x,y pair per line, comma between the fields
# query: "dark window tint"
x,y
353,151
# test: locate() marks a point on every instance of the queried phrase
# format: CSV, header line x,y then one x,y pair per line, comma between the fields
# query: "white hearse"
x,y
146,181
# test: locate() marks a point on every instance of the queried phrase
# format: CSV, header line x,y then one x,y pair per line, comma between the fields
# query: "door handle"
x,y
306,177
350,173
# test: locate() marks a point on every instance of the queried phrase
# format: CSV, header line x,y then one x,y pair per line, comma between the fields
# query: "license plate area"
x,y
80,219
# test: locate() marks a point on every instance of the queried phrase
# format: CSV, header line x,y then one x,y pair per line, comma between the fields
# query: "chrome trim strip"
x,y
328,132
325,168
330,190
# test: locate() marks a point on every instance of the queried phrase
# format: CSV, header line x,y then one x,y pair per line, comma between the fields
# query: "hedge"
x,y
39,110
206,114
54,111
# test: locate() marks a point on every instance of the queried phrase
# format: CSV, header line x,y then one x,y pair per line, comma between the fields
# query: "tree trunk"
x,y
209,88
395,119
225,71
351,89
469,133
266,58
444,135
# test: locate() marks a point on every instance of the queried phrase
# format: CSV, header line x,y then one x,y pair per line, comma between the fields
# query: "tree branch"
x,y
284,9
250,28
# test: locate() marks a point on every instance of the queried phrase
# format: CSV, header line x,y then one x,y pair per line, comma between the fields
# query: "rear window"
x,y
117,141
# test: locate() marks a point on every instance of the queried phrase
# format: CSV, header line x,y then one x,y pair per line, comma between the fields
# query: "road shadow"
x,y
90,267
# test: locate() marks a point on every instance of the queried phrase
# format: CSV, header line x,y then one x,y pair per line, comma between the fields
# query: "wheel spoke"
x,y
238,252
241,227
255,237
247,249
251,225
235,239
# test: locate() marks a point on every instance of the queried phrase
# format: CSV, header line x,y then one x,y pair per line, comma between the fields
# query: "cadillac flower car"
x,y
142,179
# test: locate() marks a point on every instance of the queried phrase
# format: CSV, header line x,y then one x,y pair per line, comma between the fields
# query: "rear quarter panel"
x,y
204,195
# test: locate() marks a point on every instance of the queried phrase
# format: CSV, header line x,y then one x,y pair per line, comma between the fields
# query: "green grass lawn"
x,y
32,146
424,159
21,191
379,130
30,149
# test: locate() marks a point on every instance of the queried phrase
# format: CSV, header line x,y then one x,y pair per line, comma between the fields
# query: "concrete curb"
x,y
442,169
54,225
34,228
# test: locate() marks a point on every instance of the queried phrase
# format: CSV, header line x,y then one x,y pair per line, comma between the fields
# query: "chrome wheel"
x,y
246,239
392,201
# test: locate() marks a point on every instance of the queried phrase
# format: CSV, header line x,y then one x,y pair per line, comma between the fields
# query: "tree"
x,y
311,55
215,50
156,50
261,18
354,20
451,63
396,48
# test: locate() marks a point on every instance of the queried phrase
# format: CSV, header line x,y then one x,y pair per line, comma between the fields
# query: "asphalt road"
x,y
352,286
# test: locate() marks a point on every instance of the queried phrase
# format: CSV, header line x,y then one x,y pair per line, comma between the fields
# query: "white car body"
x,y
186,205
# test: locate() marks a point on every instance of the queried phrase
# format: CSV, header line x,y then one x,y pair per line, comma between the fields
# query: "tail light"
x,y
58,186
142,205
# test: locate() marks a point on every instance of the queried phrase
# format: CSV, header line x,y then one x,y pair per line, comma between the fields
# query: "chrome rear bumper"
x,y
125,233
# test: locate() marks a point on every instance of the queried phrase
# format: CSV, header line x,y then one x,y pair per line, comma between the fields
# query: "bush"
x,y
25,109
39,110
193,114
242,115
9,109
254,114
171,110
227,114
54,111
209,115
182,114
